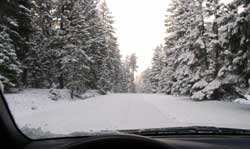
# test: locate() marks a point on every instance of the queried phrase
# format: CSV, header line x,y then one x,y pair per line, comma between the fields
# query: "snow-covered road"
x,y
131,111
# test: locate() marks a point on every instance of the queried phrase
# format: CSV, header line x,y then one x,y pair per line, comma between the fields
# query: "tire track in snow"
x,y
167,116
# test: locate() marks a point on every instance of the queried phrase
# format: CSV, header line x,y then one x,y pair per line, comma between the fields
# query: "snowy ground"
x,y
34,109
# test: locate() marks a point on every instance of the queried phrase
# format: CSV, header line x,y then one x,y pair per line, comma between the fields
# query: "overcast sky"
x,y
139,27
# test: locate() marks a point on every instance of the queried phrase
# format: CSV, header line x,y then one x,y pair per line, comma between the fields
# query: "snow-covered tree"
x,y
129,68
22,46
54,94
110,70
231,78
144,83
132,65
15,20
9,64
104,83
78,40
206,49
157,66
124,77
70,43
181,30
41,58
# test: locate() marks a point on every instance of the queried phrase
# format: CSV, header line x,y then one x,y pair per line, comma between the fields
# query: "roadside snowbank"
x,y
89,94
243,101
29,100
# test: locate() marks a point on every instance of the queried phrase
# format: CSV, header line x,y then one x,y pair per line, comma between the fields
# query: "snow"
x,y
25,102
241,9
198,96
212,86
2,77
121,111
248,97
209,19
200,42
200,85
226,1
89,94
242,101
25,8
13,22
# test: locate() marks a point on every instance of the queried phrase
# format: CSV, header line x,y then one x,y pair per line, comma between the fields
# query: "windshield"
x,y
78,68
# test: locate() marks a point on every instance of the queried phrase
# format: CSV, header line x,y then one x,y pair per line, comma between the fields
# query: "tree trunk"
x,y
72,94
61,82
24,77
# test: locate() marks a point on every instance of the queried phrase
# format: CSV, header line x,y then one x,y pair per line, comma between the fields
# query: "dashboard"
x,y
133,141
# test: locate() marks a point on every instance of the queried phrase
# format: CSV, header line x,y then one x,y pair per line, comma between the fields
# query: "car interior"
x,y
75,75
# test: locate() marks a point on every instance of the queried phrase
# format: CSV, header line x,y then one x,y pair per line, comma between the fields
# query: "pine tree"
x,y
157,66
132,69
75,61
23,18
207,60
41,58
104,83
127,73
179,45
129,69
68,43
111,64
146,86
213,9
9,64
15,25
231,78
213,48
185,46
168,71
123,78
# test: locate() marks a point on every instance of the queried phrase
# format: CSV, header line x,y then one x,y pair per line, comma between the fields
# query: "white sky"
x,y
139,27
